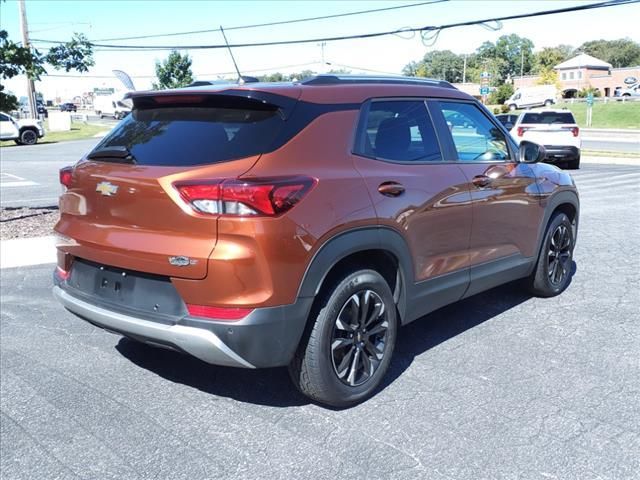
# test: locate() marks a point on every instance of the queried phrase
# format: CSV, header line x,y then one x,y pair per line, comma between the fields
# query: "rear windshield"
x,y
187,135
548,117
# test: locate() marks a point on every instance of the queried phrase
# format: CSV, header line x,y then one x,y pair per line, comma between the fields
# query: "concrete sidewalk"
x,y
22,252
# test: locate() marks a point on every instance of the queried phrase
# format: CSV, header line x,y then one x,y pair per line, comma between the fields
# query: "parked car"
x,y
23,132
68,107
528,97
557,130
629,91
508,119
301,225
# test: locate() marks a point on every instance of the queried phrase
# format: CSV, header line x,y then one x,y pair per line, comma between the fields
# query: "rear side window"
x,y
548,117
194,135
399,131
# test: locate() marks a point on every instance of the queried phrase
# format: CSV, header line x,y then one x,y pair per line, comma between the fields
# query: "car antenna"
x,y
240,79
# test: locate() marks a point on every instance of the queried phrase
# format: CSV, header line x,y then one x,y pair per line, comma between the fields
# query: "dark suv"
x,y
302,224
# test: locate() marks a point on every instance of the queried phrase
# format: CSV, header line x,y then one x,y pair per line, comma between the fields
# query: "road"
x,y
499,386
30,173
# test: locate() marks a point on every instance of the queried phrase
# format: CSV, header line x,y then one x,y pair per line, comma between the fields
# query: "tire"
x,y
28,136
512,107
574,164
548,103
551,277
332,360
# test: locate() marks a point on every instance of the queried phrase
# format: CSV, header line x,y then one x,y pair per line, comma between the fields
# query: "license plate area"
x,y
113,285
138,292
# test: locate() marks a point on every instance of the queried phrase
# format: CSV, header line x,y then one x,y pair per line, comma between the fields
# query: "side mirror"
x,y
530,152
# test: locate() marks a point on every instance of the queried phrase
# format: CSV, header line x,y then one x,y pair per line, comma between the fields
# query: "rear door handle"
x,y
391,189
481,181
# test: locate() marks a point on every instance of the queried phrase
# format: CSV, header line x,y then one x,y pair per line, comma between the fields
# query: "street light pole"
x,y
31,90
464,69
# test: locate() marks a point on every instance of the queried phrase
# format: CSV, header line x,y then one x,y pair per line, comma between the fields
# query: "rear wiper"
x,y
122,153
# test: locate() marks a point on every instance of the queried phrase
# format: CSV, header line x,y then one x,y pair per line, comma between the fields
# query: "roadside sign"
x,y
590,99
104,91
484,90
485,75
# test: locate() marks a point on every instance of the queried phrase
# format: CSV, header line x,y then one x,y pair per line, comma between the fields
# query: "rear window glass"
x,y
185,136
548,117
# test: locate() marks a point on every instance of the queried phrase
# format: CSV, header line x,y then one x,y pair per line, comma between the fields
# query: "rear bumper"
x,y
557,153
268,337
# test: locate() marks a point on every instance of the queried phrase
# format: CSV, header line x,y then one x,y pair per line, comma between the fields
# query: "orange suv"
x,y
302,224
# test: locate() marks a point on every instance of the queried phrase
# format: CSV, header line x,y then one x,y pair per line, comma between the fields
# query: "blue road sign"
x,y
484,90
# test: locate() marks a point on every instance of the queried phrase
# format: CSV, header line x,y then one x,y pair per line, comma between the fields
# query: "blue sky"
x,y
105,19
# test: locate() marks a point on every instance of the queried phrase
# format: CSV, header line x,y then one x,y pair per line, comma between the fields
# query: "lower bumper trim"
x,y
200,343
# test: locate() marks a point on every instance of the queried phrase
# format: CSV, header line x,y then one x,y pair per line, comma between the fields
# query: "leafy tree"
x,y
511,55
549,57
442,64
587,90
500,94
174,72
548,76
15,59
623,52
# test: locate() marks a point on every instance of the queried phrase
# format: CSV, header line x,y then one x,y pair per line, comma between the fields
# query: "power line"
x,y
200,75
609,3
269,24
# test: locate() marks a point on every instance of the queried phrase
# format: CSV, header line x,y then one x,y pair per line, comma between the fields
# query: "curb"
x,y
23,252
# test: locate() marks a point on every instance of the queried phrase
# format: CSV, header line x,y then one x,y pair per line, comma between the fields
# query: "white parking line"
x,y
14,181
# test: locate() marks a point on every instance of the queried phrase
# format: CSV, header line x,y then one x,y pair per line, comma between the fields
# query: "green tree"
x,y
500,94
174,72
514,55
441,64
623,52
549,57
15,59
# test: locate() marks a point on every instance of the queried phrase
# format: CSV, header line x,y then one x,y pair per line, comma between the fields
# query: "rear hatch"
x,y
121,207
549,128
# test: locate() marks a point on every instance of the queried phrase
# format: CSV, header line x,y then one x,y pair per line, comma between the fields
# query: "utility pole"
x,y
31,90
464,69
521,62
323,67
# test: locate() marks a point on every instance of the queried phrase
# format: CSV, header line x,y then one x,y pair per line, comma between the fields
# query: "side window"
x,y
475,137
400,131
3,118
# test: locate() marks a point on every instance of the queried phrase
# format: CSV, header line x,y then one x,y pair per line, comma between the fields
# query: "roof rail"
x,y
330,79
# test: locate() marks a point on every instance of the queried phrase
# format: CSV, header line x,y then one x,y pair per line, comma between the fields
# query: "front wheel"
x,y
553,269
512,107
346,352
28,137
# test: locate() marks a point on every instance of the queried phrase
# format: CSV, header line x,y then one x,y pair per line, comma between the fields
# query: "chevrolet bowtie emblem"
x,y
107,189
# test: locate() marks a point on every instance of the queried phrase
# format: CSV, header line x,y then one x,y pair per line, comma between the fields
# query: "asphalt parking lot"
x,y
500,385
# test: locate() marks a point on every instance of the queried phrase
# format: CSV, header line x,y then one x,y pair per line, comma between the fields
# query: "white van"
x,y
537,96
110,106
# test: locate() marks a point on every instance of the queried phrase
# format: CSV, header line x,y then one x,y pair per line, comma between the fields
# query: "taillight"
x,y
250,197
575,131
66,176
521,131
218,313
62,274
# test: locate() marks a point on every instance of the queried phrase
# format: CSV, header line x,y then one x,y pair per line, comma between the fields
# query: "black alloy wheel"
x,y
359,338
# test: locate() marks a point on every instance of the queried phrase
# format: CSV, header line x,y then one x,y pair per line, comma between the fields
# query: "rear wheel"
x,y
553,269
574,164
348,348
548,103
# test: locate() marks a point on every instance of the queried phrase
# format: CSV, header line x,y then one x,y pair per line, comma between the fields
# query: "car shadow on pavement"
x,y
272,387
